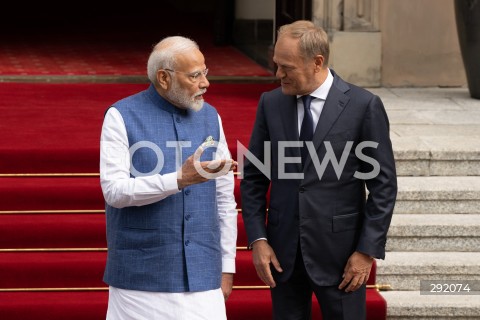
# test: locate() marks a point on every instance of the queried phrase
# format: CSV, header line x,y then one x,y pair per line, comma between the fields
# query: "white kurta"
x,y
120,190
141,305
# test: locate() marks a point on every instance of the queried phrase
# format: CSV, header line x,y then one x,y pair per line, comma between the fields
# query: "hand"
x,y
356,272
194,171
263,255
227,284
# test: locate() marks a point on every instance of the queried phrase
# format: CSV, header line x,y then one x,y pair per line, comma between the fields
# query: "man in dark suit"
x,y
322,231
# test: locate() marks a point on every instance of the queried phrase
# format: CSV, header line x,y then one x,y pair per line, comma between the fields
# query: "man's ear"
x,y
163,79
318,60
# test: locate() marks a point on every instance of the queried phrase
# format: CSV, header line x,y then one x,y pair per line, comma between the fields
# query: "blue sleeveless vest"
x,y
172,245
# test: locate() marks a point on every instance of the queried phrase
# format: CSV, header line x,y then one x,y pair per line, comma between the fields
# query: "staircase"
x,y
52,260
52,225
435,230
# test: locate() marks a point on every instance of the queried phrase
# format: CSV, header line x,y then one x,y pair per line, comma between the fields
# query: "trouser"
x,y
292,300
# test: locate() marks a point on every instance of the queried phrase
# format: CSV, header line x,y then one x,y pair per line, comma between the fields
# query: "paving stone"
x,y
404,270
435,232
409,305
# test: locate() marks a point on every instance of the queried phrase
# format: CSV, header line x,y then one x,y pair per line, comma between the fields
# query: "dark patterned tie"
x,y
306,132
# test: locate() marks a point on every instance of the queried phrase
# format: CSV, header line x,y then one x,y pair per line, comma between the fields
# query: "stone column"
x,y
353,27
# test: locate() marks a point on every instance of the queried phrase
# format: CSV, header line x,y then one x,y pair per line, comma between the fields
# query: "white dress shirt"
x,y
316,106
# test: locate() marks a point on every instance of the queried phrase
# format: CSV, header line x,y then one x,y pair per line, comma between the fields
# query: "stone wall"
x,y
393,43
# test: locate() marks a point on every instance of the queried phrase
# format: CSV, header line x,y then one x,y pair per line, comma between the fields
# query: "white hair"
x,y
164,54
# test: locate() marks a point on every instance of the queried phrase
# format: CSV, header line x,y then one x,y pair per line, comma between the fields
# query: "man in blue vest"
x,y
167,180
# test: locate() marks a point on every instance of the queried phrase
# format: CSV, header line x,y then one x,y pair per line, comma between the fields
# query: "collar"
x,y
163,103
322,91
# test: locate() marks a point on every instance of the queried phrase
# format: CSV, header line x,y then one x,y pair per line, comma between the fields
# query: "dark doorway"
x,y
256,36
87,34
208,20
288,11
254,29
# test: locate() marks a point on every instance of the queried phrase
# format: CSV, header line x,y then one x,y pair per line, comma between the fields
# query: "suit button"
x,y
302,189
187,192
187,242
187,217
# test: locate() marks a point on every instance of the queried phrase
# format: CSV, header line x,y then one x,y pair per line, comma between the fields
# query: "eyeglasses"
x,y
195,76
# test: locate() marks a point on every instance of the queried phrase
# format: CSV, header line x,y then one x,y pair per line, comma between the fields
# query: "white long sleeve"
x,y
120,190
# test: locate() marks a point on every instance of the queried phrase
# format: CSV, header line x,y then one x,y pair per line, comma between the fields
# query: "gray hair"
x,y
313,39
164,54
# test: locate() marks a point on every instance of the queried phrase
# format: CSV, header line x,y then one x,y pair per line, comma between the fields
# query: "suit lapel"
x,y
290,124
289,118
333,107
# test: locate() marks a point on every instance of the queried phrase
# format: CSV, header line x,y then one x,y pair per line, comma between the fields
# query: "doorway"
x,y
255,24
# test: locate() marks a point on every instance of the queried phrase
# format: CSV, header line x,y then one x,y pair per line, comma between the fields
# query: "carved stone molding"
x,y
346,15
361,15
328,14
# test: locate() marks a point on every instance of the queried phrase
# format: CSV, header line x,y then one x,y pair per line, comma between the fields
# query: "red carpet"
x,y
47,193
78,269
58,56
54,128
78,305
84,272
250,304
98,38
84,269
41,230
81,305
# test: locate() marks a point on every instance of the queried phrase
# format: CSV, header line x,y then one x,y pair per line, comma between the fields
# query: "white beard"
x,y
177,95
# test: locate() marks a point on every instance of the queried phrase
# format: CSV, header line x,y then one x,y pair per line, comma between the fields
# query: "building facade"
x,y
388,43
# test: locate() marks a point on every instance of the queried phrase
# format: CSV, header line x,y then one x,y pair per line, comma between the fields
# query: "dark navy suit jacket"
x,y
327,212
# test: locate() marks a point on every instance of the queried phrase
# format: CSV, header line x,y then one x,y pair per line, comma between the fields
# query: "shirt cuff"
x,y
251,244
170,181
228,265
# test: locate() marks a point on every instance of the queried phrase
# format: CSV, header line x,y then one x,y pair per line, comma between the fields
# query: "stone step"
x,y
438,195
434,232
404,270
438,155
408,305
